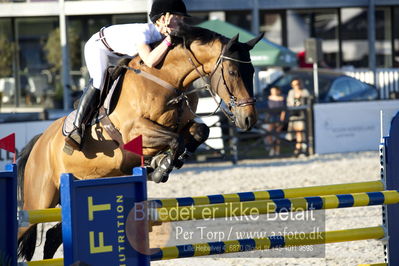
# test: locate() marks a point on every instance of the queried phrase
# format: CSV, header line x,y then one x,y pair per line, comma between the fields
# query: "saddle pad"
x,y
107,102
67,127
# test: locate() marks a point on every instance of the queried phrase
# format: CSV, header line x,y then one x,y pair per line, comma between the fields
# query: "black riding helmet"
x,y
161,7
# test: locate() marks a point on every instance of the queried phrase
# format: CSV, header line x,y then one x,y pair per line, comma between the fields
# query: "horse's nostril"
x,y
248,122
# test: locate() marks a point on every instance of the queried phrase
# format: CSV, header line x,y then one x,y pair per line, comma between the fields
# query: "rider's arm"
x,y
153,57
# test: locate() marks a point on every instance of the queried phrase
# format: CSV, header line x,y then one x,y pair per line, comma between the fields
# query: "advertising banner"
x,y
352,127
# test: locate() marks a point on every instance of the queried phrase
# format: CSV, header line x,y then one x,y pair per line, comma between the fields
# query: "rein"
x,y
151,77
233,103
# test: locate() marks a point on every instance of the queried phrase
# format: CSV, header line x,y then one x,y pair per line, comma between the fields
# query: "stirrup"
x,y
74,139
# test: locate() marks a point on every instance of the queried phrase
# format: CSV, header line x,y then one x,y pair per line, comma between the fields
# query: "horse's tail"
x,y
22,159
27,242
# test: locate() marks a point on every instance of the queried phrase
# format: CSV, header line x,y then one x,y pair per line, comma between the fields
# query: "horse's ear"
x,y
232,41
251,43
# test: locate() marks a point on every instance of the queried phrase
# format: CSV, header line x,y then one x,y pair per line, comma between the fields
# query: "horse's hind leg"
x,y
160,142
194,135
33,200
27,242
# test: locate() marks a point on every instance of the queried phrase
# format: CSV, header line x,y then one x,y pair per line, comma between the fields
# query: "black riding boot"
x,y
86,108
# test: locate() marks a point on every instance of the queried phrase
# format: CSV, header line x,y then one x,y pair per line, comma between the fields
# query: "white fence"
x,y
387,79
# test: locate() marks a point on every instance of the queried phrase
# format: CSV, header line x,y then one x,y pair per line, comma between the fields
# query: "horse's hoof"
x,y
179,164
165,178
161,173
159,176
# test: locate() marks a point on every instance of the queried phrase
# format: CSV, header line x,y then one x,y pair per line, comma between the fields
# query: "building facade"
x,y
355,34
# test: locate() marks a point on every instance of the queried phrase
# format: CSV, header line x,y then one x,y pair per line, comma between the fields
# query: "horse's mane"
x,y
189,34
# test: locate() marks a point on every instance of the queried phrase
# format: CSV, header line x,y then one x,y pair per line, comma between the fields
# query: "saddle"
x,y
108,98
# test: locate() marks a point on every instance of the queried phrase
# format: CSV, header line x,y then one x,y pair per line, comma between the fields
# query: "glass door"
x,y
35,78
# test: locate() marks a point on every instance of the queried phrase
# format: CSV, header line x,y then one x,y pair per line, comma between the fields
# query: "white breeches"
x,y
97,58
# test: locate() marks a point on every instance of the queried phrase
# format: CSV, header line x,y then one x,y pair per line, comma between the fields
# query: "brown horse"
x,y
146,106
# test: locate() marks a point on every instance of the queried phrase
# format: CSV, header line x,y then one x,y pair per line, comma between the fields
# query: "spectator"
x,y
276,105
297,96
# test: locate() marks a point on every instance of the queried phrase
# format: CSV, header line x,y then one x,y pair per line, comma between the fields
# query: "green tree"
x,y
53,50
52,47
6,56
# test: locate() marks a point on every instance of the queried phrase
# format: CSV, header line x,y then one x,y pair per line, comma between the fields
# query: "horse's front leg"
x,y
164,163
194,135
160,143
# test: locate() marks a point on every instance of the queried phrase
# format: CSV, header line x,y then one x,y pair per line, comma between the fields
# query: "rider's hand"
x,y
166,31
167,19
164,24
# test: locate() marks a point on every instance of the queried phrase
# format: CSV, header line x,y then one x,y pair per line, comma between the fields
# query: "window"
x,y
197,18
298,29
354,37
395,21
271,23
356,86
130,18
241,19
320,23
324,83
35,79
82,28
383,45
325,26
340,88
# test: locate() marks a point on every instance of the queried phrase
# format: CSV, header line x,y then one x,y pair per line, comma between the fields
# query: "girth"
x,y
116,136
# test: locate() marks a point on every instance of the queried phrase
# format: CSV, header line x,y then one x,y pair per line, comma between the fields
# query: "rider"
x,y
126,40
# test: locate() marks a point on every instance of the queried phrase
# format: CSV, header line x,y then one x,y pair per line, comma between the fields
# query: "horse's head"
x,y
228,65
232,80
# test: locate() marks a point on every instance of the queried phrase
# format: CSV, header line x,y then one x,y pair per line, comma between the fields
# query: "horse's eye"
x,y
233,73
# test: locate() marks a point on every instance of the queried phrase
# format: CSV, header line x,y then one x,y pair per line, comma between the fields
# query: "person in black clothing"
x,y
276,116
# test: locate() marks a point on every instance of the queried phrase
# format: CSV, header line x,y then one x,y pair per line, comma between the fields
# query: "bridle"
x,y
207,80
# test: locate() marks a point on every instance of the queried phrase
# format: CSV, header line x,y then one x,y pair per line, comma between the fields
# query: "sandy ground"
x,y
215,178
